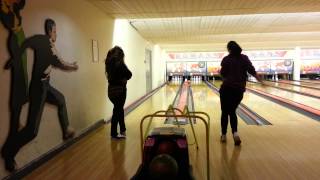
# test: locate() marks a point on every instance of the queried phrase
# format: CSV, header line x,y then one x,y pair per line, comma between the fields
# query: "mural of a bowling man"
x,y
40,91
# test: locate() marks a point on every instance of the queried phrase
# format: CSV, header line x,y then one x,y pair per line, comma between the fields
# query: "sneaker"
x,y
123,134
118,137
236,139
223,138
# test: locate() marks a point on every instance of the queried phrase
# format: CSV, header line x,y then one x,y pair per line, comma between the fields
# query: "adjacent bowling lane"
x,y
267,152
267,109
301,83
295,88
302,99
311,81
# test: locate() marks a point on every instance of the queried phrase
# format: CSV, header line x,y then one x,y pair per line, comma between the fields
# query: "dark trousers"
x,y
40,93
230,98
117,96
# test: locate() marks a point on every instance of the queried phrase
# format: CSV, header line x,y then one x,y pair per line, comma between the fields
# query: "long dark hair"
x,y
234,48
115,56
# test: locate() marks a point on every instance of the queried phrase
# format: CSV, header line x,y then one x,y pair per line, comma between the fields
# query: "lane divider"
x,y
180,102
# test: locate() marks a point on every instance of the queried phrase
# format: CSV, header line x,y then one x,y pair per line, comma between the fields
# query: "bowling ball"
x,y
163,167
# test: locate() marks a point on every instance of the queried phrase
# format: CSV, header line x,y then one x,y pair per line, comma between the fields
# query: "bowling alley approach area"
x,y
160,90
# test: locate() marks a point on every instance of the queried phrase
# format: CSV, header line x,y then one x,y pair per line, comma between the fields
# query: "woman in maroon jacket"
x,y
234,68
117,74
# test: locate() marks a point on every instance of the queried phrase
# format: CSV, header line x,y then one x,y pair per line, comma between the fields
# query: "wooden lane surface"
x,y
287,150
310,81
301,83
271,111
99,157
308,101
295,88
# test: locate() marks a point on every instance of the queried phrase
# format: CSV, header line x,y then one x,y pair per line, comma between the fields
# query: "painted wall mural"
x,y
12,21
310,67
196,68
265,61
40,90
213,68
176,68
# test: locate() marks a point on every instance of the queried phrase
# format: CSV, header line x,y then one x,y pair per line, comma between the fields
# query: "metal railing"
x,y
171,113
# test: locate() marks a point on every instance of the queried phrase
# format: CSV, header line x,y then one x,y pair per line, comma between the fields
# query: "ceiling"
x,y
201,24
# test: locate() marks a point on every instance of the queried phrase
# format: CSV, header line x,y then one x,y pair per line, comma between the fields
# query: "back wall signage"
x,y
218,56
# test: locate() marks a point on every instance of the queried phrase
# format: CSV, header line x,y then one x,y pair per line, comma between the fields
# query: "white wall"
x,y
134,46
158,66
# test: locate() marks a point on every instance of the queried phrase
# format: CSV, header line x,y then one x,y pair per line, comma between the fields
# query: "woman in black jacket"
x,y
234,69
117,74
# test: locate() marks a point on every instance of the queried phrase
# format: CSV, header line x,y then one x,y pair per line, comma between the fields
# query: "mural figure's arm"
x,y
61,64
30,42
65,65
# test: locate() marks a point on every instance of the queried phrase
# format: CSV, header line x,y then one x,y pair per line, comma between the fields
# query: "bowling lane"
x,y
206,100
267,152
97,156
295,88
263,107
310,81
301,83
309,101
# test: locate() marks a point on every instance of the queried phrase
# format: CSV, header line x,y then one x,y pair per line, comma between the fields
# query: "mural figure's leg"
x,y
18,59
18,94
56,98
20,39
38,93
